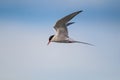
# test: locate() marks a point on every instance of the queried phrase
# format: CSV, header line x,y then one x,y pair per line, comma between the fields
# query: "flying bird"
x,y
61,35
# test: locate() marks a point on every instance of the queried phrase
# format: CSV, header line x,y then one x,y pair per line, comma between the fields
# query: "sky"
x,y
25,26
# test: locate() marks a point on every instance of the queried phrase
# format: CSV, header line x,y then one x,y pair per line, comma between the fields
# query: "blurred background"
x,y
25,26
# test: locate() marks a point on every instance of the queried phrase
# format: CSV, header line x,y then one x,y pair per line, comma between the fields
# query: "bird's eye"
x,y
51,37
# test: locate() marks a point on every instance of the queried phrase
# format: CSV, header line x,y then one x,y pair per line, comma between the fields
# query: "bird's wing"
x,y
61,25
82,43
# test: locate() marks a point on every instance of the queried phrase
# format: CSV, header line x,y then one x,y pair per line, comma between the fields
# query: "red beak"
x,y
48,43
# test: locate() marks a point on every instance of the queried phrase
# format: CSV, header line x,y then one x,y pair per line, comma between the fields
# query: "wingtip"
x,y
80,11
84,43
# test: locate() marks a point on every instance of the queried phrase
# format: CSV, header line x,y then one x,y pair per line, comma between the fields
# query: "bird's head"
x,y
50,38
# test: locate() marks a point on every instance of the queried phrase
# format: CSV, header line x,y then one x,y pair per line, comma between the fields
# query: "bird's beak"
x,y
48,43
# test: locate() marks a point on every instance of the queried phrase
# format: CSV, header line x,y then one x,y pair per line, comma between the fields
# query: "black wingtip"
x,y
80,11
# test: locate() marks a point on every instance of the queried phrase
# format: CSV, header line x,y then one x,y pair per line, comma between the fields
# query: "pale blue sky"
x,y
25,26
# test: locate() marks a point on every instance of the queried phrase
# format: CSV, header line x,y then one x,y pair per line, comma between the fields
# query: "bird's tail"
x,y
70,23
82,43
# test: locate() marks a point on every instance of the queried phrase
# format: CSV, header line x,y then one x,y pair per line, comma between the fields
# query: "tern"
x,y
61,35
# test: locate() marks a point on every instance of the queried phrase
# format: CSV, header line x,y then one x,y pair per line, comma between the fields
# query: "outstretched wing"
x,y
61,25
82,43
